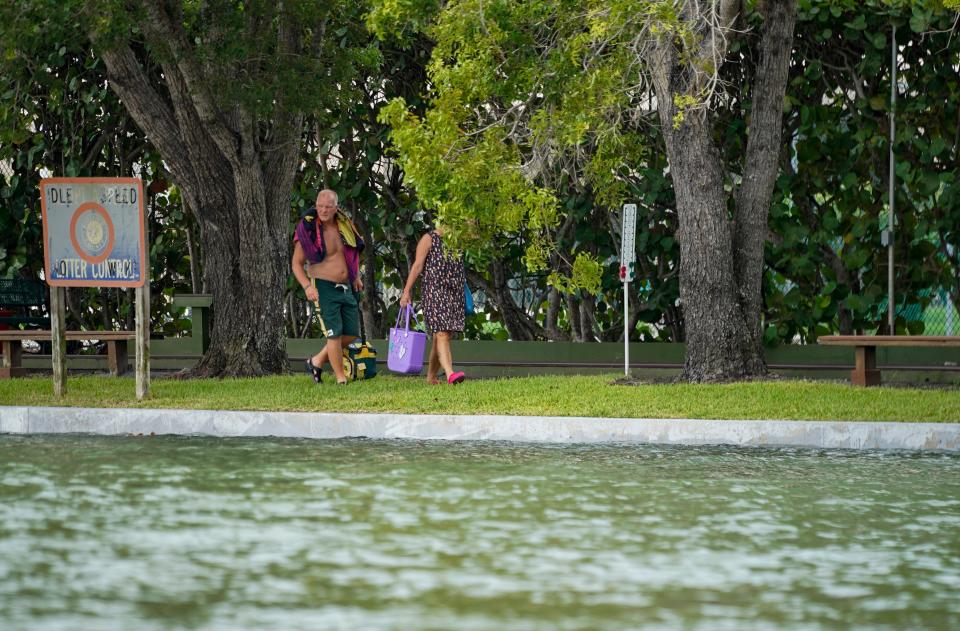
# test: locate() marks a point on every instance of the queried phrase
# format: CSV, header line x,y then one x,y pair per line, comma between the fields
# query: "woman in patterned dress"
x,y
442,299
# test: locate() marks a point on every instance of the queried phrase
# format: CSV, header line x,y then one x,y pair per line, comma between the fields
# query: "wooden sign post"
x,y
94,235
142,299
59,340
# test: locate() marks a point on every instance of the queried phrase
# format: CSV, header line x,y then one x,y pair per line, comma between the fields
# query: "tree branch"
x,y
164,31
708,59
147,107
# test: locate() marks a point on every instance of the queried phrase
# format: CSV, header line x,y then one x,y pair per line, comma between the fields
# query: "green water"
x,y
165,533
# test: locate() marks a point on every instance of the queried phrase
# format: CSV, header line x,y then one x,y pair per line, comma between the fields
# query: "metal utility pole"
x,y
893,174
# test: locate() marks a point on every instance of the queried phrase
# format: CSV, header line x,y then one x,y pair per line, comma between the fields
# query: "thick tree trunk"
x,y
719,346
239,191
246,260
721,262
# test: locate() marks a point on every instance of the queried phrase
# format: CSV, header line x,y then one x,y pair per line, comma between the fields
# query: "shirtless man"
x,y
326,260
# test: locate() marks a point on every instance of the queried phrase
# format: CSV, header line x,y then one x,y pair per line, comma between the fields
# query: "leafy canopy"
x,y
529,101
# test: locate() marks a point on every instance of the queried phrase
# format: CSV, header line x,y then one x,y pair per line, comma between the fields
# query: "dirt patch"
x,y
633,380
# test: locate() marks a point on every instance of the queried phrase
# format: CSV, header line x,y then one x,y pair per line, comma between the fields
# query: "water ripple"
x,y
173,532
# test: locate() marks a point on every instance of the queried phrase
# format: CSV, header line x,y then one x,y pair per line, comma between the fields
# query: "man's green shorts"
x,y
339,310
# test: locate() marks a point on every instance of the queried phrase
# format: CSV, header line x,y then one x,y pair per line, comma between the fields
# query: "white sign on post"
x,y
627,258
628,234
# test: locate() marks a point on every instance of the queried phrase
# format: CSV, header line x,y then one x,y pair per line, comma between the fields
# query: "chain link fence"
x,y
941,316
938,317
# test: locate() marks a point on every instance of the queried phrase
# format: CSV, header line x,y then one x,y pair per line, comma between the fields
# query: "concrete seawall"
x,y
541,429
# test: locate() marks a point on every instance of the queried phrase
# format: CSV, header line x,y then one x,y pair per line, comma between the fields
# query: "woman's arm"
x,y
423,248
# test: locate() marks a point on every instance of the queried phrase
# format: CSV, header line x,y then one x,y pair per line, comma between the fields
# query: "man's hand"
x,y
357,284
311,293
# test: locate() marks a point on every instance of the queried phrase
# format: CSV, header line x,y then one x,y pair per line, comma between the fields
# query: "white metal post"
x,y
893,175
628,230
626,329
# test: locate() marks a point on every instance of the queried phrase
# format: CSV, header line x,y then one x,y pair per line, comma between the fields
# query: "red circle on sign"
x,y
99,210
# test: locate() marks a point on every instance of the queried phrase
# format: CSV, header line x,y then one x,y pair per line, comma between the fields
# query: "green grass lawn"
x,y
549,396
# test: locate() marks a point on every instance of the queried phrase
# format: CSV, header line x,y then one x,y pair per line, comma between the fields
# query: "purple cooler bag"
x,y
405,352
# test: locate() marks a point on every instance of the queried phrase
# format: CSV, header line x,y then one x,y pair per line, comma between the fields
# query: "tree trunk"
x,y
588,329
371,306
721,262
718,343
573,314
761,161
553,315
520,326
294,330
246,265
195,283
73,306
239,190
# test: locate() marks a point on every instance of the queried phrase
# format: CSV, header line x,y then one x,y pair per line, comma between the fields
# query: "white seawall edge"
x,y
540,429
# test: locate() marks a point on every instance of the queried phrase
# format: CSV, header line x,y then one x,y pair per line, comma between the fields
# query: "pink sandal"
x,y
456,377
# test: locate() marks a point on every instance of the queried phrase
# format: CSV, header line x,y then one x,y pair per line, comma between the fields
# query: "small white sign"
x,y
627,248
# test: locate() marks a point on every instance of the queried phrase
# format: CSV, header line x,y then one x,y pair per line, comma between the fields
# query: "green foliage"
x,y
543,97
477,188
58,118
504,100
586,275
346,148
828,269
523,146
538,90
49,86
682,102
60,94
401,20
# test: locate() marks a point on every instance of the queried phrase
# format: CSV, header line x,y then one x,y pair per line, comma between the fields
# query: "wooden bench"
x,y
22,301
13,350
865,371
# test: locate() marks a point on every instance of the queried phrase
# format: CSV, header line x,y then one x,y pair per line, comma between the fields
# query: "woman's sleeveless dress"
x,y
442,293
